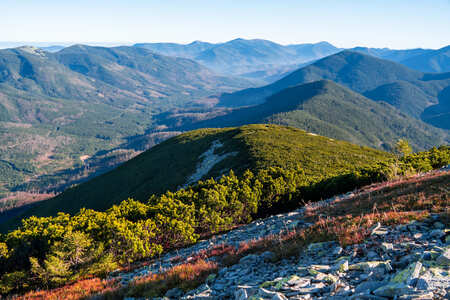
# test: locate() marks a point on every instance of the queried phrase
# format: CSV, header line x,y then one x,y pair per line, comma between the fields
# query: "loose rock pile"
x,y
404,262
273,225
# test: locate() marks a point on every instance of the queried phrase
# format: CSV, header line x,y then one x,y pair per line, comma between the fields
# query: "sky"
x,y
397,24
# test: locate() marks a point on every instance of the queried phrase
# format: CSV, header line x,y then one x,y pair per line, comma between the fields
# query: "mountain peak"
x,y
32,50
198,42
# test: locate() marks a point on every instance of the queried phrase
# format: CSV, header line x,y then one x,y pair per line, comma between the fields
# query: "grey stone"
x,y
265,293
422,284
240,294
437,233
418,235
312,289
387,247
392,290
444,259
320,248
249,259
174,293
267,256
219,286
369,286
414,274
298,281
279,296
408,259
337,250
364,296
372,255
418,296
438,225
343,266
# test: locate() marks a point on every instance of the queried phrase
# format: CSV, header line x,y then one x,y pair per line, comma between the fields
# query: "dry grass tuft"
x,y
79,290
186,277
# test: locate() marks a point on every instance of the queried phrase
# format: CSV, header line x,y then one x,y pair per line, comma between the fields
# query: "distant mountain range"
x,y
84,72
431,61
408,90
251,58
246,58
265,61
424,60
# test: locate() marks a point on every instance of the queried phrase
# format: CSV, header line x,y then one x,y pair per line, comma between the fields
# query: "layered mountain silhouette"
x,y
392,54
86,72
326,108
431,61
378,79
248,58
251,58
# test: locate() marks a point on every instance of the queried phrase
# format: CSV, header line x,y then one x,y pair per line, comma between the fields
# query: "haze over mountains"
x,y
70,114
250,58
247,58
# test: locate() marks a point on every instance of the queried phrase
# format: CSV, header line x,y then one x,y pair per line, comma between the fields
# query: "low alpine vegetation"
x,y
52,251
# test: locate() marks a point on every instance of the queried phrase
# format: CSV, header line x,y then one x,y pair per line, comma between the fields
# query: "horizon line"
x,y
39,44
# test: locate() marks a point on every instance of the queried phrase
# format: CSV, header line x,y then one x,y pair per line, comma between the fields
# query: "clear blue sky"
x,y
345,23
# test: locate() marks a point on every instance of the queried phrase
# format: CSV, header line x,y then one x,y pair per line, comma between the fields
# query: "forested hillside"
x,y
172,163
328,109
78,112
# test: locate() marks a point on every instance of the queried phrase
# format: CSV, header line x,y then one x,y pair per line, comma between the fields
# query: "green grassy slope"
x,y
169,164
328,109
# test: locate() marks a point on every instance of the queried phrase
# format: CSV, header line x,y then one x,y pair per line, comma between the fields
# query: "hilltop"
x,y
142,72
326,108
206,153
